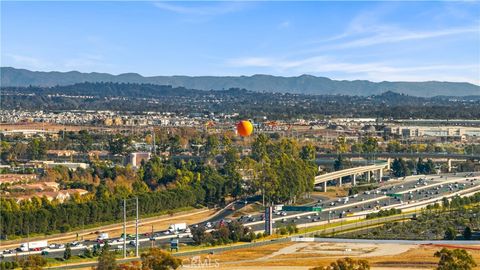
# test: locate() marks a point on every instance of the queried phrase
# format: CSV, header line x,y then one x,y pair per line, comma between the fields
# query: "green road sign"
x,y
302,208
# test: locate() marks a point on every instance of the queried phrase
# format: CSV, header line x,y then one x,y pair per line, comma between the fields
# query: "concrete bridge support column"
x,y
449,165
380,175
354,180
368,176
325,186
340,181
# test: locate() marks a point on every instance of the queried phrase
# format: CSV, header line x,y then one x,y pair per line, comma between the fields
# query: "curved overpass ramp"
x,y
337,175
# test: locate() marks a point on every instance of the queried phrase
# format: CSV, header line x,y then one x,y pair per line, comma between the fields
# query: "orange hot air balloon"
x,y
244,128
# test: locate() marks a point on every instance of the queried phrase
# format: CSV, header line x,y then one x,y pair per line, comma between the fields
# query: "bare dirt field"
x,y
307,255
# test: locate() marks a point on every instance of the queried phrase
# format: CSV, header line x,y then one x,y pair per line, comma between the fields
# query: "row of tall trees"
x,y
401,168
280,170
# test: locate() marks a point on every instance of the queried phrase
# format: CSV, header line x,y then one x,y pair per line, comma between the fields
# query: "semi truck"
x,y
177,227
37,245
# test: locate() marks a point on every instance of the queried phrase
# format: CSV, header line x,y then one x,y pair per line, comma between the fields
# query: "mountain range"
x,y
304,84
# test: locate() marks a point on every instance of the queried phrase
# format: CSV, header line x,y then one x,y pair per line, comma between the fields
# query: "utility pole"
x,y
136,231
153,238
153,134
124,228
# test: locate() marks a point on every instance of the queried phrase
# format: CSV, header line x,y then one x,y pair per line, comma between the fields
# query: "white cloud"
x,y
284,24
85,61
25,61
203,9
375,71
399,36
368,28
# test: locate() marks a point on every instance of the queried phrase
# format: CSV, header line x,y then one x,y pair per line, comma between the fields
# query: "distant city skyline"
x,y
377,41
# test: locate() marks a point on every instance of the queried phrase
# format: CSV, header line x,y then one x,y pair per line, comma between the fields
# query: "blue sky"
x,y
411,41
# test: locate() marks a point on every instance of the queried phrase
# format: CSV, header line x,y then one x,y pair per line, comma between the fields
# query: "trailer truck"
x,y
36,245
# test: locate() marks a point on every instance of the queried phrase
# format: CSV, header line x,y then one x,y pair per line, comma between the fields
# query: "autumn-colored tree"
x,y
457,259
157,259
345,264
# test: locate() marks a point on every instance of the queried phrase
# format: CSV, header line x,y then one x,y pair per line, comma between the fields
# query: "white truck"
x,y
37,245
278,207
102,236
177,227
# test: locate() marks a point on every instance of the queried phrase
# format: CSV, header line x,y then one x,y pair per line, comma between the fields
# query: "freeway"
x,y
409,192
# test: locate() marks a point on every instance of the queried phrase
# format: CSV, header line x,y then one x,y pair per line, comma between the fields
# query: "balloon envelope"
x,y
244,128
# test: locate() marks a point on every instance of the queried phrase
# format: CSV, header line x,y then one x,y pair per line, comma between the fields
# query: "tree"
x,y
308,152
457,259
85,140
37,149
119,145
400,168
106,260
394,146
87,253
445,202
341,163
370,145
450,233
157,259
67,254
198,235
425,167
345,264
341,145
259,148
211,146
33,262
467,233
338,163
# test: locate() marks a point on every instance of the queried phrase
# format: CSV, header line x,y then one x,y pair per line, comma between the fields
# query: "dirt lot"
x,y
335,192
306,255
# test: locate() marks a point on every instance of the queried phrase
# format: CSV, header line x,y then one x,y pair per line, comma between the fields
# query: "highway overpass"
x,y
337,175
402,155
388,156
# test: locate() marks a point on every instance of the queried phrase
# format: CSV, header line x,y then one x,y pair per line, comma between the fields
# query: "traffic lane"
x,y
401,187
385,202
362,197
369,205
330,215
53,253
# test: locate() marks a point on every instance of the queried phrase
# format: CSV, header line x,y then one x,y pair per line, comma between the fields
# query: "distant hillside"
x,y
249,104
305,84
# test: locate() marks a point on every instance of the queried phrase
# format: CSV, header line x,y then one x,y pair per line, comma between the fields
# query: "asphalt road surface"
x,y
412,190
